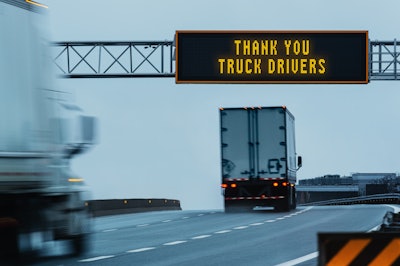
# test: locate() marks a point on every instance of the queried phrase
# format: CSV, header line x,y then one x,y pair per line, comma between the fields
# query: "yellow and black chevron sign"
x,y
354,249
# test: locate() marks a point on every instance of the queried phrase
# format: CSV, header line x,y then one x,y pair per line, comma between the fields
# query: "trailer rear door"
x,y
271,140
253,143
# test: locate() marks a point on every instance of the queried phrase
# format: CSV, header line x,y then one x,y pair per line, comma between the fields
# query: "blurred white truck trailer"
x,y
40,132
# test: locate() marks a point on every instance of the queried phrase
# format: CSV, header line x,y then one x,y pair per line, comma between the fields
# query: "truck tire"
x,y
285,204
294,197
80,245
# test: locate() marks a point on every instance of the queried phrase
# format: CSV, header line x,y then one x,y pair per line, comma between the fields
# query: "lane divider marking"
x,y
241,227
97,258
223,232
296,261
140,250
200,237
173,243
255,224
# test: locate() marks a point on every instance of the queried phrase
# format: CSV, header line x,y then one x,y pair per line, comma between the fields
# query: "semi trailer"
x,y
41,131
259,161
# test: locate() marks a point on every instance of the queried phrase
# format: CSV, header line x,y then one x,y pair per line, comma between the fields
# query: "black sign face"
x,y
272,57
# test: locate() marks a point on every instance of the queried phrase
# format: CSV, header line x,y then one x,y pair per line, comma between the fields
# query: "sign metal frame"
x,y
363,67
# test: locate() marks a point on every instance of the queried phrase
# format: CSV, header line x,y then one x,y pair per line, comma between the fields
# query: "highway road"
x,y
263,237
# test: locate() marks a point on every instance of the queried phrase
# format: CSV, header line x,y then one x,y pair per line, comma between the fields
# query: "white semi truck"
x,y
259,161
41,199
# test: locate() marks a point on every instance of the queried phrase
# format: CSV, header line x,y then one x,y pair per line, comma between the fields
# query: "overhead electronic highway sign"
x,y
271,57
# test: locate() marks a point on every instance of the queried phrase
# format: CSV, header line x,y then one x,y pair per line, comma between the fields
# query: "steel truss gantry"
x,y
384,63
114,59
136,59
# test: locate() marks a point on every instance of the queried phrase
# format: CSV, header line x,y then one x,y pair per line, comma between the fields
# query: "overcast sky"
x,y
160,139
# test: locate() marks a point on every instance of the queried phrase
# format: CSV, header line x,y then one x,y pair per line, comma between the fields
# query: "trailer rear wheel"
x,y
80,245
294,199
287,203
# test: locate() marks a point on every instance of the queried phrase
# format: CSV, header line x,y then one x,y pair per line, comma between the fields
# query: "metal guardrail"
x,y
123,206
390,198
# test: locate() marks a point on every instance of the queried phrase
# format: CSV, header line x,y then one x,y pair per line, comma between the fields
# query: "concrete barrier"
x,y
122,206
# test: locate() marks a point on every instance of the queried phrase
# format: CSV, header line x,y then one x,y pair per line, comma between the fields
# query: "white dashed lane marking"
x,y
241,227
200,237
255,224
223,232
140,250
97,258
175,243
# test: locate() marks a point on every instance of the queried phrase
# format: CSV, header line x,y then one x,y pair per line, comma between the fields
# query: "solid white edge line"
x,y
140,250
96,258
175,243
374,228
299,260
315,254
395,208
